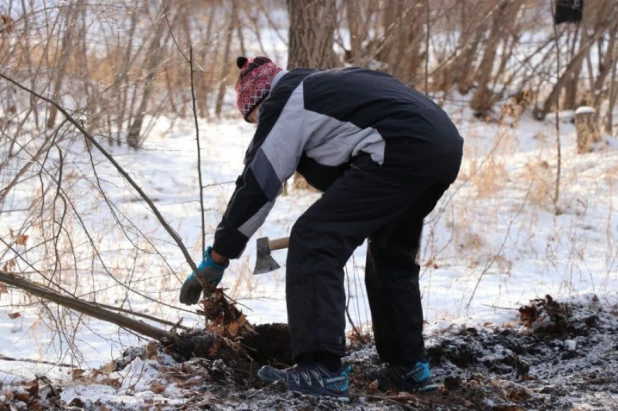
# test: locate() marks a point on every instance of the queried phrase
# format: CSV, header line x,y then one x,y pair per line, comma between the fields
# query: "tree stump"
x,y
587,129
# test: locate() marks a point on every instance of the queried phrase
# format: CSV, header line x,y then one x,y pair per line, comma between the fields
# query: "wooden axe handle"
x,y
279,243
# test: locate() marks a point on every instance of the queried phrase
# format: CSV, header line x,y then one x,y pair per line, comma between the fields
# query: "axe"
x,y
264,263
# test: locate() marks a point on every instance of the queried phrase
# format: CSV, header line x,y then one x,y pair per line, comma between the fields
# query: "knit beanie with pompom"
x,y
254,83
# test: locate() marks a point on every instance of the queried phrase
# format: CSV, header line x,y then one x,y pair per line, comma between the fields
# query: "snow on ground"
x,y
495,241
560,355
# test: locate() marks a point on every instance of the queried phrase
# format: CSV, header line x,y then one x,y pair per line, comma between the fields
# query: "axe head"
x,y
264,262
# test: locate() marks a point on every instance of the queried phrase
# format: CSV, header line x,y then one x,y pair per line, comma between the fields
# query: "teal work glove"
x,y
208,276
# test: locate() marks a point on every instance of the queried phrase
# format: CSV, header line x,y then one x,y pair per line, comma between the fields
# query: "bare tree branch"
x,y
199,151
111,159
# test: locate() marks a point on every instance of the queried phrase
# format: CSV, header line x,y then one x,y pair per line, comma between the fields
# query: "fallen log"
x,y
230,336
85,307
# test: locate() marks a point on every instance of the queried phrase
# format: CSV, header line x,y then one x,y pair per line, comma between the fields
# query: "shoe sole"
x,y
325,393
266,378
428,388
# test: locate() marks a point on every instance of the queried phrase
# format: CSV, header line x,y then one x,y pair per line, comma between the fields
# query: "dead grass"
x,y
489,177
542,179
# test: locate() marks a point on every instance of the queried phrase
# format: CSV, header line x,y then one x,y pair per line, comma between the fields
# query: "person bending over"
x,y
383,154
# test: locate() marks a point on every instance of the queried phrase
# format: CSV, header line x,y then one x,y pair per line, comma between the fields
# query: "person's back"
x,y
334,116
371,99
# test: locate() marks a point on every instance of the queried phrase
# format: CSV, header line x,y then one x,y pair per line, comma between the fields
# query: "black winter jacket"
x,y
317,122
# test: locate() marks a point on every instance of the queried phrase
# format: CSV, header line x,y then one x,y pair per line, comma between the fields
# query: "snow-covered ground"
x,y
495,241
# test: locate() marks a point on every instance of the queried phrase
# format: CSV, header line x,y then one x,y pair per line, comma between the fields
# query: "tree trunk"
x,y
311,33
540,113
204,80
226,57
311,40
572,84
464,65
153,60
65,52
94,106
606,65
403,36
587,129
29,64
473,28
239,27
484,98
613,95
121,78
356,39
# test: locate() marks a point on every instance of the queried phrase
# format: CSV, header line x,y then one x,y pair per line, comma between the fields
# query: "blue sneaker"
x,y
404,378
312,379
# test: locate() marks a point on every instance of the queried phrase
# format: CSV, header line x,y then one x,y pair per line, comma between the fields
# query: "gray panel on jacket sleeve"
x,y
251,225
333,142
373,145
284,144
265,175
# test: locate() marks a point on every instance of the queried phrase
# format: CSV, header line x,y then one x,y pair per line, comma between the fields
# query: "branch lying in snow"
x,y
85,307
146,316
5,358
126,176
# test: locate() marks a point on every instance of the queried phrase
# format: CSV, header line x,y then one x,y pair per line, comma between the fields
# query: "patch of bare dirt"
x,y
562,356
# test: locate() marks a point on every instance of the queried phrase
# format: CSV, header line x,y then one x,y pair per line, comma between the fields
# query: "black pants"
x,y
387,205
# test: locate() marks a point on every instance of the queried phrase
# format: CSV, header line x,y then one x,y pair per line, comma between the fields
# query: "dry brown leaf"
x,y
22,396
77,373
9,265
112,382
13,316
214,349
33,388
21,239
373,386
3,288
519,395
178,379
151,351
6,24
109,367
158,388
233,329
194,382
